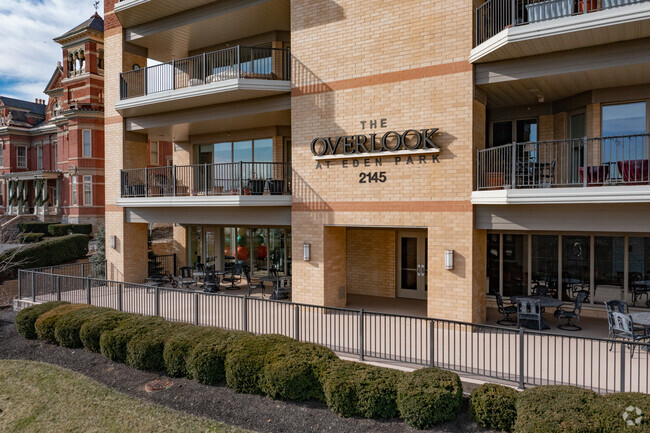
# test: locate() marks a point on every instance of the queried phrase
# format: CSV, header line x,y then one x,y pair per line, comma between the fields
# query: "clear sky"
x,y
28,55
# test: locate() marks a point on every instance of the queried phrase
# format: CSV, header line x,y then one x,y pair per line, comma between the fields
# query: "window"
x,y
2,157
153,153
100,59
87,142
619,122
521,131
21,152
73,190
40,158
55,148
88,190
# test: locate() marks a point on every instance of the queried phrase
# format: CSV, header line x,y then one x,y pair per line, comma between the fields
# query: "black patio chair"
x,y
234,276
254,284
529,310
618,306
211,281
186,279
573,315
282,289
540,290
199,271
506,311
623,327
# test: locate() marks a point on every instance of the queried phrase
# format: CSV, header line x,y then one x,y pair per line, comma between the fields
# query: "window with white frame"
x,y
21,153
88,190
73,190
154,153
2,157
40,158
87,142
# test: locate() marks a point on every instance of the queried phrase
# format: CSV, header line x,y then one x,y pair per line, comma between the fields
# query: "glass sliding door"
x,y
638,271
576,266
545,256
412,265
515,265
493,262
609,268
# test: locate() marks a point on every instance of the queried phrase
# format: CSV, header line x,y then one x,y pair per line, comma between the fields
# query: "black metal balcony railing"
x,y
621,160
236,178
206,68
496,15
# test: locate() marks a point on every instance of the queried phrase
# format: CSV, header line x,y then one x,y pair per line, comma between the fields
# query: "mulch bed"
x,y
216,402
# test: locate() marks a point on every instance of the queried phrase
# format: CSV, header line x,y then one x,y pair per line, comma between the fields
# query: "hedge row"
x,y
50,252
30,238
559,409
34,227
271,365
65,229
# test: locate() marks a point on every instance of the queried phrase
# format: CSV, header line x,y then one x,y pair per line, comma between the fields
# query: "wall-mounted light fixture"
x,y
449,259
306,252
113,241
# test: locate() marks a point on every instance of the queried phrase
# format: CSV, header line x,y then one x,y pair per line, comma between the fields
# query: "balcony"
x,y
508,29
233,74
227,184
585,170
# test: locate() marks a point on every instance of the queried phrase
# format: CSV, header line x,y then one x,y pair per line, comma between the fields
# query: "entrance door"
x,y
412,265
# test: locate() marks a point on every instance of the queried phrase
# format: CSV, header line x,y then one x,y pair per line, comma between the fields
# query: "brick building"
x,y
420,150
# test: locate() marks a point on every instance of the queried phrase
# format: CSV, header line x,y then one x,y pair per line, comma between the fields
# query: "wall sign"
x,y
392,143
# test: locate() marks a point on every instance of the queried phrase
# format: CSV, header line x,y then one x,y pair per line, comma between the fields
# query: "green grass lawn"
x,y
37,397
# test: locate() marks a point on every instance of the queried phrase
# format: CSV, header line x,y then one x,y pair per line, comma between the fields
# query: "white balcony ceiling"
x,y
173,37
134,12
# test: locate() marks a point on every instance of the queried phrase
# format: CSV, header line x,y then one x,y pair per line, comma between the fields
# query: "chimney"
x,y
58,64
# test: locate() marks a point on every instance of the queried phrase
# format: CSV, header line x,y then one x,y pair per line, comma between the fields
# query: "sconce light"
x,y
449,259
306,252
113,241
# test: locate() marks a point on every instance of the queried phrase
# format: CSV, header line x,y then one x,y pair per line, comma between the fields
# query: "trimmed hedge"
x,y
30,238
26,318
113,343
91,331
67,328
46,324
245,361
34,227
494,406
50,252
206,361
613,406
179,347
293,371
428,397
558,409
146,351
65,229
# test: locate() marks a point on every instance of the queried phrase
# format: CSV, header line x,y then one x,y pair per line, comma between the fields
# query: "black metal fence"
x,y
163,264
515,356
495,15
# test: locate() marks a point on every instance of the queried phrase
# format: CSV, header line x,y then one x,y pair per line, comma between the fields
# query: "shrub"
x,y
612,407
49,252
67,328
292,371
113,343
30,238
26,318
178,348
206,362
34,227
146,351
91,331
428,397
352,388
494,406
245,361
557,409
65,229
46,324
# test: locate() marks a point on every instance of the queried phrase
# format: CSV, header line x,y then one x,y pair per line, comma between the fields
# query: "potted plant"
x,y
246,190
256,185
276,186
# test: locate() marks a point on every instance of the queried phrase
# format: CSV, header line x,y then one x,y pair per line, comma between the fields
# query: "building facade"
x,y
436,151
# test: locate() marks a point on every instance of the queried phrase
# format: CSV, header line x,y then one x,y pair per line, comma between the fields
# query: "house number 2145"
x,y
372,177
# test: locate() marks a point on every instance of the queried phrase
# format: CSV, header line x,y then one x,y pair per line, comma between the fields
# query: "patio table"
x,y
544,301
642,319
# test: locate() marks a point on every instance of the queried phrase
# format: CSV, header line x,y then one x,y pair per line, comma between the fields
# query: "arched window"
x,y
71,65
56,108
100,60
82,62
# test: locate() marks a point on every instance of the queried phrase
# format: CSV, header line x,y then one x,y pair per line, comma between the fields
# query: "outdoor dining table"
x,y
642,319
544,302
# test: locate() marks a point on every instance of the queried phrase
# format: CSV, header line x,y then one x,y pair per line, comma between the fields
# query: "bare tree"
x,y
11,258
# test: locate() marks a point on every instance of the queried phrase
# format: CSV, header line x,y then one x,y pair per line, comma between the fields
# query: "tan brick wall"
x,y
371,262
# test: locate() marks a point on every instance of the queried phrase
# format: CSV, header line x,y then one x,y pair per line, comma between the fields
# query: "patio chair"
x,y
199,271
211,281
623,327
572,316
282,290
186,279
529,310
254,284
618,307
506,311
234,276
540,290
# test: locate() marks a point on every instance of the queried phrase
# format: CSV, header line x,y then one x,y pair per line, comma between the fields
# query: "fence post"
x,y
146,79
174,180
33,287
119,296
58,287
521,358
245,314
174,270
88,300
431,344
173,74
157,303
203,68
146,182
241,178
296,323
20,284
623,367
238,61
513,179
584,162
205,167
361,343
514,13
196,309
